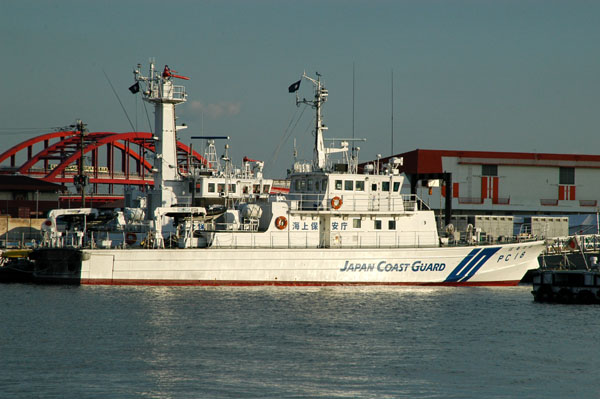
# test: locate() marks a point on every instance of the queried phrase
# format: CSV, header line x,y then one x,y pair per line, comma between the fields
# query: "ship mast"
x,y
164,96
321,152
160,91
321,93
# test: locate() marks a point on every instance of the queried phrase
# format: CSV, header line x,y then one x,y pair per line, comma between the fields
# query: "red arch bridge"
x,y
112,160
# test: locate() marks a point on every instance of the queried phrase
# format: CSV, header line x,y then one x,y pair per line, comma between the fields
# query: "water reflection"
x,y
344,342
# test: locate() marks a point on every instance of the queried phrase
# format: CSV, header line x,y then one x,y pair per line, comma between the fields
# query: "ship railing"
x,y
575,243
311,239
229,200
406,203
176,92
244,225
394,239
64,240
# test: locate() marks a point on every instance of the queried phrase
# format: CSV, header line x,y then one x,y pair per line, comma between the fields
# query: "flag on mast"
x,y
134,88
294,87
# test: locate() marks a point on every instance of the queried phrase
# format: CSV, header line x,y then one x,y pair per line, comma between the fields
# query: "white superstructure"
x,y
335,226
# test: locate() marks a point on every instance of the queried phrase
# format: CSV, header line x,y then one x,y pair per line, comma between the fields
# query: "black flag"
x,y
135,88
294,86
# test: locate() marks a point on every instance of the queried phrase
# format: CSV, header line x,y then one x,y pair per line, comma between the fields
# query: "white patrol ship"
x,y
335,227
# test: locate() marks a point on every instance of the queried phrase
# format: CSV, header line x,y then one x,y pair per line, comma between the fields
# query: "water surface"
x,y
284,342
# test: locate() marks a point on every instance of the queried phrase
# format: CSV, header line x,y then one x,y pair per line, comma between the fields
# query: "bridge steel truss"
x,y
133,168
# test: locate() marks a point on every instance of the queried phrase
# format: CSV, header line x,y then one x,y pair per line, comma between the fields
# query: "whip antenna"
x,y
116,95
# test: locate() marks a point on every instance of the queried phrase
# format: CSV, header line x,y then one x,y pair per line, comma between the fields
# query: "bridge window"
x,y
359,185
232,188
211,187
391,225
256,188
356,223
317,186
378,225
266,188
348,185
324,184
221,187
309,184
396,186
385,186
374,187
338,184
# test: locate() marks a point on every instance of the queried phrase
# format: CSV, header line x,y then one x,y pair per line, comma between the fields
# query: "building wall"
x,y
516,189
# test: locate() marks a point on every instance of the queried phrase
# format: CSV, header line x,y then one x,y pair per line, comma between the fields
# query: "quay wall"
x,y
15,230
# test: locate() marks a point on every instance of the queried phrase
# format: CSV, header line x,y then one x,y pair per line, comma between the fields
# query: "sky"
x,y
481,75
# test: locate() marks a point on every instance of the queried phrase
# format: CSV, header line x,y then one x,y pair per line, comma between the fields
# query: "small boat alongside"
x,y
569,281
15,266
566,286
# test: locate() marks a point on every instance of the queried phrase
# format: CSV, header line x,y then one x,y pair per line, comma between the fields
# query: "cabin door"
x,y
324,232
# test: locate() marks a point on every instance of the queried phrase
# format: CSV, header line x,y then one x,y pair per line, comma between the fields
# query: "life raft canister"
x,y
130,238
336,202
281,222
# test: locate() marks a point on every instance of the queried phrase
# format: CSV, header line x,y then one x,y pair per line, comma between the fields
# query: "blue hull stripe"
x,y
471,264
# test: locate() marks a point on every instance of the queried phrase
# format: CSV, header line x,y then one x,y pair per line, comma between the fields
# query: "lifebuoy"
x,y
281,222
130,238
336,202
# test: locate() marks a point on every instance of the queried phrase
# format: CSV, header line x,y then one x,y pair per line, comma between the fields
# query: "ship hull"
x,y
454,266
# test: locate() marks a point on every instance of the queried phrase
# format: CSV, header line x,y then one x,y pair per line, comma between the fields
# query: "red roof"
x,y
430,161
25,183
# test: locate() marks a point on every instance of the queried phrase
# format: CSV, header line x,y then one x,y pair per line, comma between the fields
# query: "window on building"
x,y
378,225
356,223
566,176
338,184
348,185
391,225
359,185
489,170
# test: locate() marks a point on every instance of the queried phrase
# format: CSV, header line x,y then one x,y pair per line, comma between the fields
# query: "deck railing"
x,y
405,203
311,239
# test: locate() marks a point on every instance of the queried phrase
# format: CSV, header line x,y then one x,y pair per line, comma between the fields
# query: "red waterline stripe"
x,y
249,283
